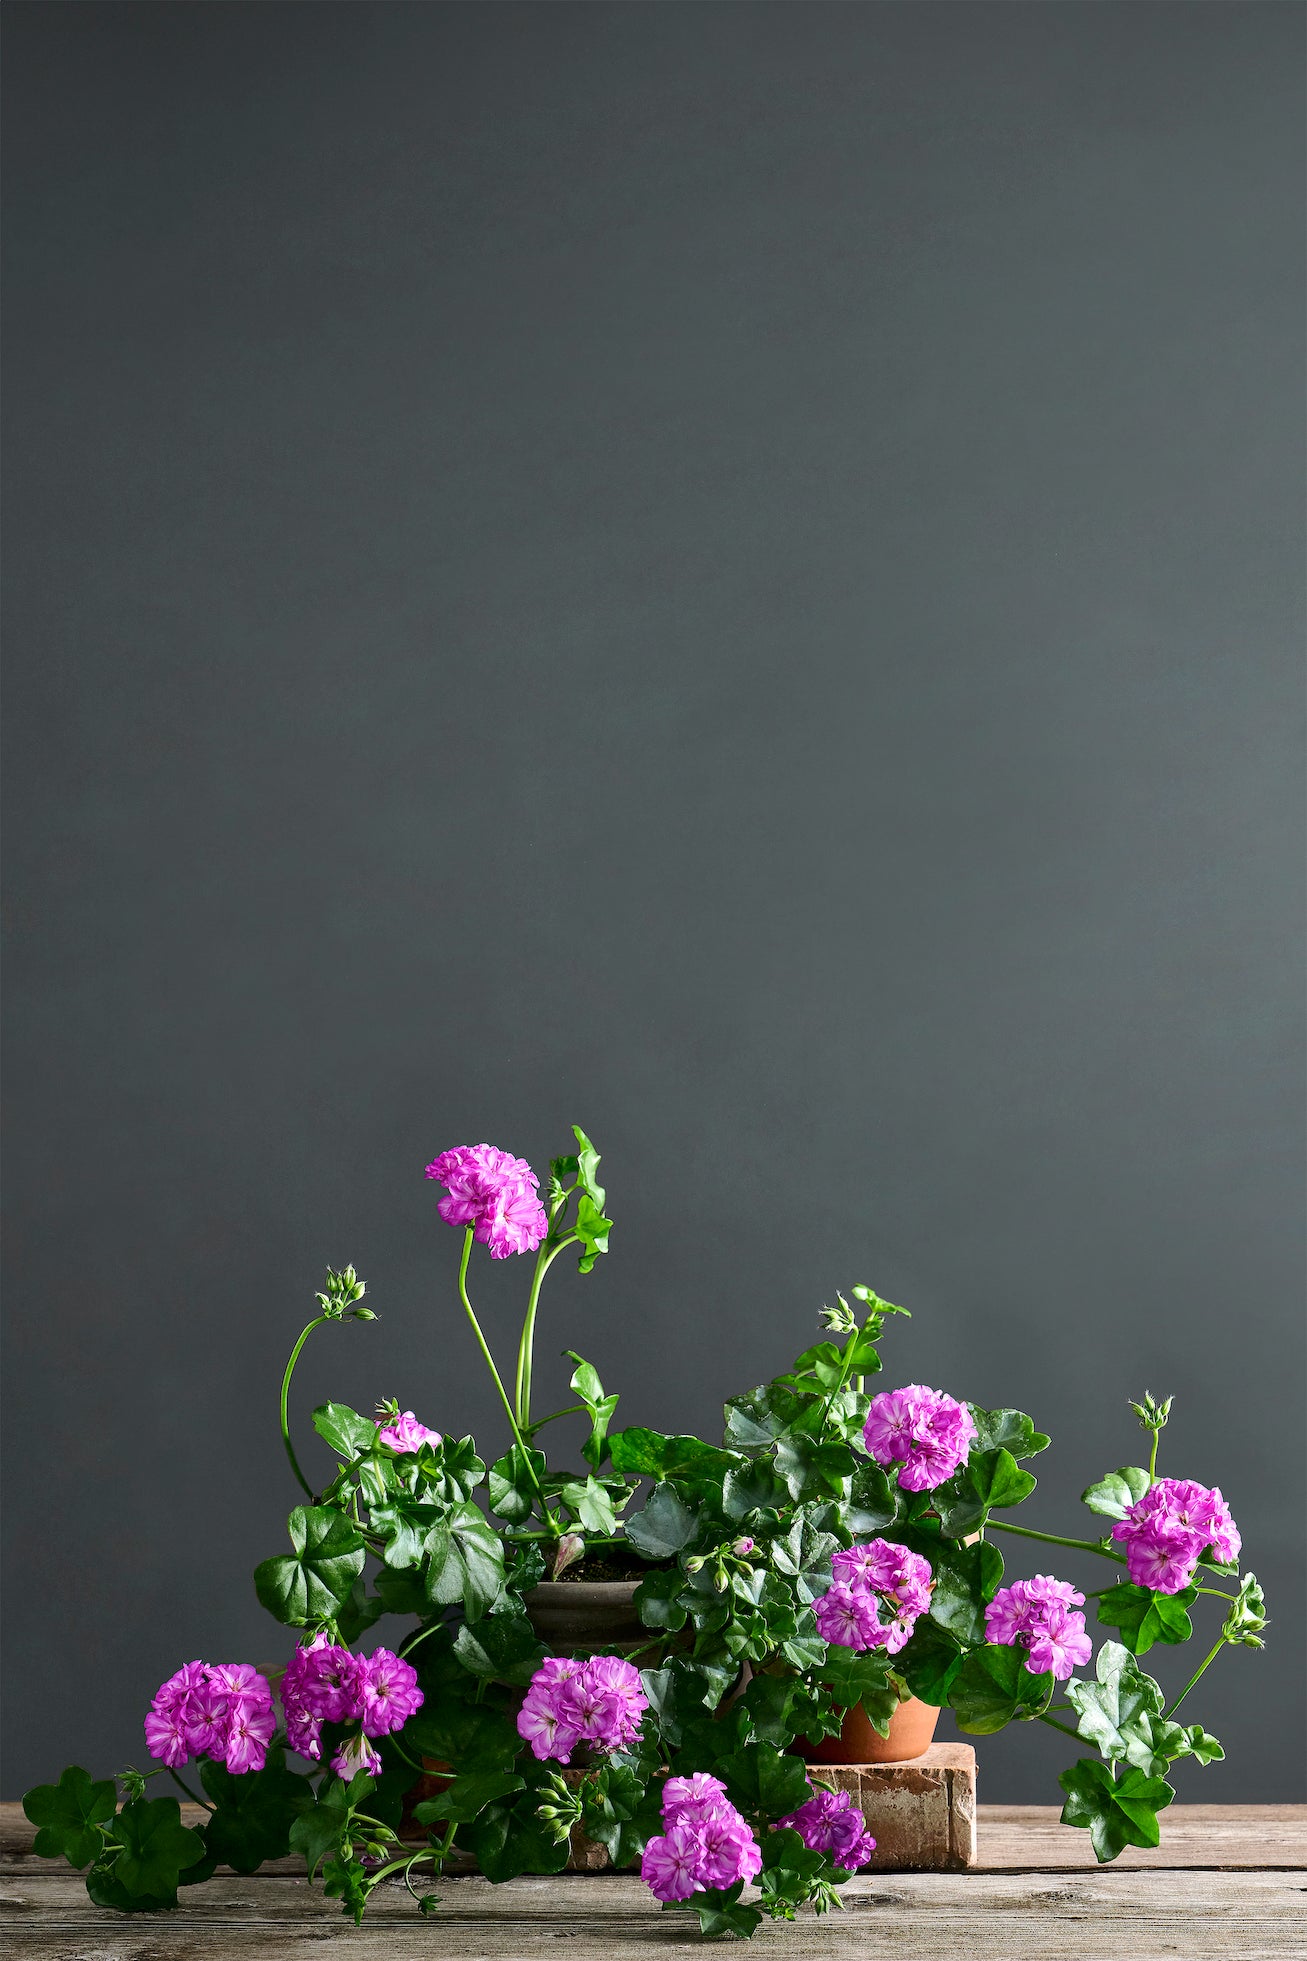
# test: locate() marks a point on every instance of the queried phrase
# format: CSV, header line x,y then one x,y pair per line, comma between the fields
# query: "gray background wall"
x,y
729,573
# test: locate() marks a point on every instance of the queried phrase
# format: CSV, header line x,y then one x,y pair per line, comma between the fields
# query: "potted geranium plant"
x,y
798,1587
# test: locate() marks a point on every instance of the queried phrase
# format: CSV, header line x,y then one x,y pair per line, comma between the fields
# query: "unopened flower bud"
x,y
742,1548
695,1564
571,1547
719,1579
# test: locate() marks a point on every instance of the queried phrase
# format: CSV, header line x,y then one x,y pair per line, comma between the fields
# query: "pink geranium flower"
x,y
405,1434
496,1194
922,1430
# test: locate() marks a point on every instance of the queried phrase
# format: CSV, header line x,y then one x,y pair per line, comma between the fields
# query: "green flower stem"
x,y
1152,1460
1204,1665
1218,1595
1054,1539
285,1393
1054,1724
529,1429
194,1796
545,1258
484,1346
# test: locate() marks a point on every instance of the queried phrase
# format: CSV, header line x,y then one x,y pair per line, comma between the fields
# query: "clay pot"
x,y
586,1617
911,1733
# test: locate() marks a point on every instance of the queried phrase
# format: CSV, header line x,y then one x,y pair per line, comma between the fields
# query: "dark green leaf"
x,y
316,1580
513,1483
853,1678
658,1599
1007,1429
663,1527
1121,1713
587,1167
501,1647
69,1815
348,1433
324,1826
648,1453
1113,1495
966,1580
1117,1812
591,1504
253,1813
471,1565
990,1479
762,1780
755,1420
465,1797
753,1487
994,1686
1144,1617
1202,1745
470,1736
929,1663
359,1613
508,1839
156,1847
874,1501
811,1469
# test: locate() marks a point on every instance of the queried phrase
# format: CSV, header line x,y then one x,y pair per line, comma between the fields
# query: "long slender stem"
x,y
285,1394
1207,1664
1152,1460
549,1250
484,1346
1054,1539
529,1429
194,1796
1054,1724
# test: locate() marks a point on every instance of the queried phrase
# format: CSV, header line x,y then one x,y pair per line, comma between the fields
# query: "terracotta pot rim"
x,y
595,1591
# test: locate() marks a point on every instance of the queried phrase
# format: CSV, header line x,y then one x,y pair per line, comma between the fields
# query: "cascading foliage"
x,y
835,1548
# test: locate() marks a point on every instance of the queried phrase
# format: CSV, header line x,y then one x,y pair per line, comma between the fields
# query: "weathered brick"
x,y
922,1813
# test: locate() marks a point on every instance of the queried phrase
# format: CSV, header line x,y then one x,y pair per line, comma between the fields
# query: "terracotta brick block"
x,y
922,1814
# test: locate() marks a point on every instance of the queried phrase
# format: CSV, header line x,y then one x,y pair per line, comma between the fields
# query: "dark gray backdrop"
x,y
729,573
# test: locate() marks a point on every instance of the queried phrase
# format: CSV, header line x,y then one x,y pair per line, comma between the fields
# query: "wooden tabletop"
x,y
1228,1883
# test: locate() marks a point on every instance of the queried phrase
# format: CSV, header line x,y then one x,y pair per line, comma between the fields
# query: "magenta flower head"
x,y
831,1822
1039,1616
388,1692
600,1702
405,1434
494,1193
706,1842
1167,1529
221,1710
847,1616
922,1430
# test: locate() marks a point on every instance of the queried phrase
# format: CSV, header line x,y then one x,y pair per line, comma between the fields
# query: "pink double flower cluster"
x,y
600,1702
704,1842
831,1822
878,1591
495,1193
922,1430
403,1433
1039,1615
324,1683
219,1709
1169,1527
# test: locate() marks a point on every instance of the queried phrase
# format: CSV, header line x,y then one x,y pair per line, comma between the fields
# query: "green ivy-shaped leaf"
x,y
501,1648
658,1599
764,1781
875,1501
1201,1745
513,1481
993,1687
1121,1713
348,1433
854,1679
664,1527
1006,1429
754,1421
253,1813
1113,1495
966,1580
467,1563
593,1229
69,1816
1144,1616
316,1580
156,1848
466,1797
585,1383
929,1663
324,1826
1117,1811
811,1469
508,1839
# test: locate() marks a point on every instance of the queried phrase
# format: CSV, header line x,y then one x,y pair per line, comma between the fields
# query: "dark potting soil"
x,y
617,1563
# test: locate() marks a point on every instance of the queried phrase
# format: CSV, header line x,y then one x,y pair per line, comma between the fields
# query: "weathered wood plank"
x,y
1233,1837
1127,1916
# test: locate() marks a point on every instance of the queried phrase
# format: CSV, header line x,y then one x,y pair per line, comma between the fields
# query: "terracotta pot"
x,y
586,1617
911,1733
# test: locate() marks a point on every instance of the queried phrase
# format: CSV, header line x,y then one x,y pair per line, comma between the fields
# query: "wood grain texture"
x,y
1033,1900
